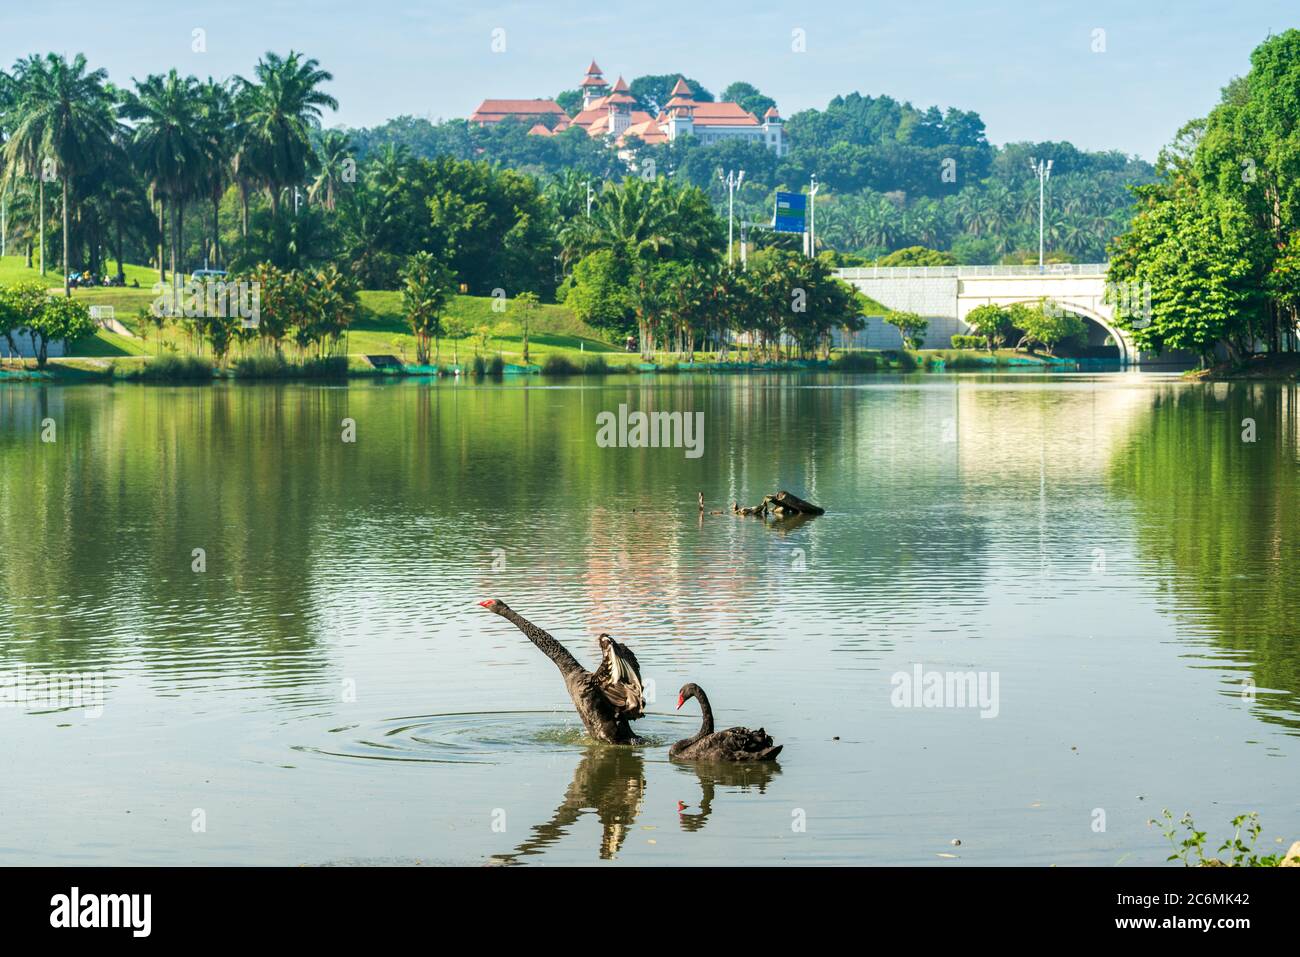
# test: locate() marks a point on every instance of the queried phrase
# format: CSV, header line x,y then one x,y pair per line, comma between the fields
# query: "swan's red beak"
x,y
680,701
487,603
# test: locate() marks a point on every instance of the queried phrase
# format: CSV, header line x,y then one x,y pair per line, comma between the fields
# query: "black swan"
x,y
734,744
606,699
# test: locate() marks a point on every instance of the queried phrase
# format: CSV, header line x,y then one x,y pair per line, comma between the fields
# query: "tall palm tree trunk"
x,y
176,242
216,231
162,241
42,213
117,253
67,283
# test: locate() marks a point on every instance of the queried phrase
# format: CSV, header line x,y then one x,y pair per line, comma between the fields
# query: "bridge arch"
x,y
945,295
1127,354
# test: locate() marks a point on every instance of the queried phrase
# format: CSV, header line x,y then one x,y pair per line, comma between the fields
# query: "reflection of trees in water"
x,y
303,531
98,529
741,777
1221,514
609,781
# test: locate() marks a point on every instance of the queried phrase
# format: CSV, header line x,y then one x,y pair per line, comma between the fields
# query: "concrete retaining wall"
x,y
27,347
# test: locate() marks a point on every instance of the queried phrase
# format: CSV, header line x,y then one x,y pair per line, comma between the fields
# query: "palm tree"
x,y
23,159
64,126
245,157
217,118
122,201
280,109
169,145
334,158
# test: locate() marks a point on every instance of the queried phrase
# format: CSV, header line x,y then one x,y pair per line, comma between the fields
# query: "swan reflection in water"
x,y
609,781
741,776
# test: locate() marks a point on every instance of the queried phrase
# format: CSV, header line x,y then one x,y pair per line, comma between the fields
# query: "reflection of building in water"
x,y
1005,430
638,567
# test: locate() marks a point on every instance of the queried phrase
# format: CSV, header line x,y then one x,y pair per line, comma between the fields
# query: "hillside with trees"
x,y
893,175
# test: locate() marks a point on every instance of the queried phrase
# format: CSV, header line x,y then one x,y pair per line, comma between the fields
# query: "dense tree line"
x,y
893,175
649,258
240,174
1212,258
126,166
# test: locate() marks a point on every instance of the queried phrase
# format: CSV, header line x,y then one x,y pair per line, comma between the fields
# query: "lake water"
x,y
1104,552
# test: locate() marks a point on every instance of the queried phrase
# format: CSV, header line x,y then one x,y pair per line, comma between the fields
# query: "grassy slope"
x,y
379,327
13,268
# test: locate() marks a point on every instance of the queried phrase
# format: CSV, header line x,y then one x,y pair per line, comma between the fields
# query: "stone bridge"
x,y
945,295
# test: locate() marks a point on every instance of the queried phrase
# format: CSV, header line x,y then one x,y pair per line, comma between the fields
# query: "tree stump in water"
x,y
782,505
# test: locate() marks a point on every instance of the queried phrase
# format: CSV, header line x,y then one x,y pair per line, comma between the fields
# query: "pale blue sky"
x,y
1027,68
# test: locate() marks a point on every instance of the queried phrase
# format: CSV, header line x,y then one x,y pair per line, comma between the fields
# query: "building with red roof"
x,y
612,112
494,111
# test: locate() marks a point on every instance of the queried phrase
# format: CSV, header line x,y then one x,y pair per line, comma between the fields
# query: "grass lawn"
x,y
14,268
378,329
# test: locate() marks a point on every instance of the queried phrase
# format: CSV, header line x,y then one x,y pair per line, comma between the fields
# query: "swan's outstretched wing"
x,y
619,680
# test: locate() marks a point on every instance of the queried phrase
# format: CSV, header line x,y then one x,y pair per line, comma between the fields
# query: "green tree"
x,y
749,97
493,226
992,322
1048,325
597,291
428,285
335,168
280,108
524,305
59,320
170,146
653,91
909,325
20,308
1194,253
64,125
917,256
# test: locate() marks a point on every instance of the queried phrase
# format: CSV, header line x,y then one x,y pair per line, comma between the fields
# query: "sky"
x,y
1103,75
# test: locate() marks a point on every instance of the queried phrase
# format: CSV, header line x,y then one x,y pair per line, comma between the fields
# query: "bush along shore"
x,y
173,367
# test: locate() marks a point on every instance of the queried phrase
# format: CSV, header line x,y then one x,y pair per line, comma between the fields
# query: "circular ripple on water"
x,y
468,738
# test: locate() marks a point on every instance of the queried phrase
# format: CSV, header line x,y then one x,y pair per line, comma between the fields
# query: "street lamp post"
x,y
733,179
812,217
1043,170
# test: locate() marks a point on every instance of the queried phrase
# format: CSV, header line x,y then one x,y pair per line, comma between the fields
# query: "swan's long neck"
x,y
706,726
543,640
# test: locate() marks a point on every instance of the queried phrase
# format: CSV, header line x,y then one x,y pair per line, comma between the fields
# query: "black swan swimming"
x,y
606,699
734,744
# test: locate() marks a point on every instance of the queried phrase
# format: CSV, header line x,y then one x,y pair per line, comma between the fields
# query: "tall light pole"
x,y
812,217
733,180
1043,170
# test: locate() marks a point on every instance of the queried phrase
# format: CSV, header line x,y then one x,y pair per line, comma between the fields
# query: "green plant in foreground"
x,y
1193,843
